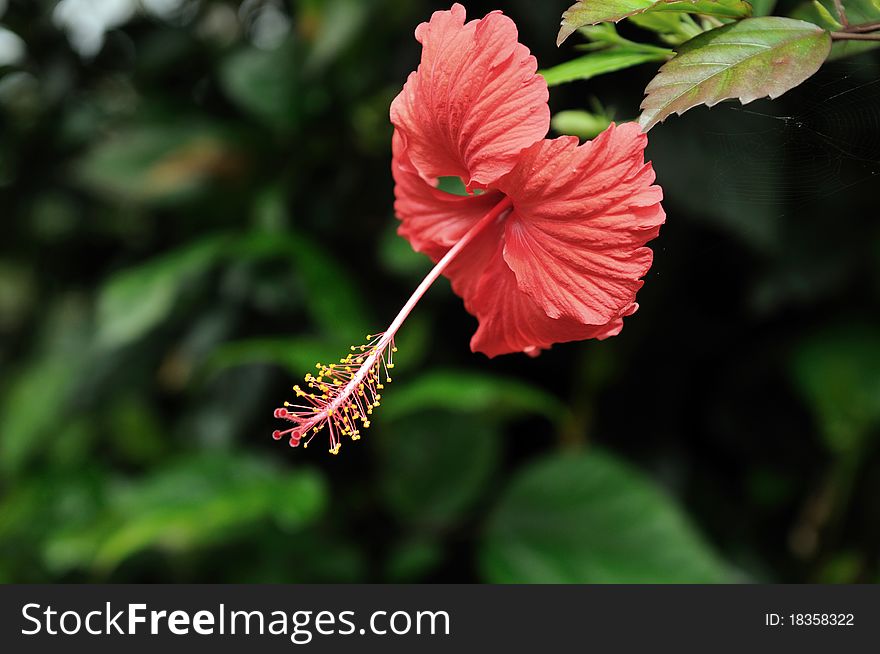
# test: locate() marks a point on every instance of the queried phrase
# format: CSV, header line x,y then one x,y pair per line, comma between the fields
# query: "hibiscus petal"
x,y
510,320
475,101
431,220
582,215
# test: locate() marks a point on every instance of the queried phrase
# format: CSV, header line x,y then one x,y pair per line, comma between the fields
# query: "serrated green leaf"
x,y
592,12
746,60
464,392
590,518
600,63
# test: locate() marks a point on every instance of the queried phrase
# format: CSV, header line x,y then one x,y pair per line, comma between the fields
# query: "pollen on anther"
x,y
346,393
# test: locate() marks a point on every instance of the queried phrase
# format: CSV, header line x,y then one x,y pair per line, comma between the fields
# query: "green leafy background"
x,y
198,210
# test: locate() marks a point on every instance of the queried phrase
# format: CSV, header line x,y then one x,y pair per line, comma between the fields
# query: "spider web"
x,y
746,168
829,144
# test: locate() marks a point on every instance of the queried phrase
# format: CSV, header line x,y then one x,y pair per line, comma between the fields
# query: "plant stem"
x,y
841,13
484,222
863,27
432,276
853,36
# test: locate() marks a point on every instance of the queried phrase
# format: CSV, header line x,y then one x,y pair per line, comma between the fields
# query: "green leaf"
x,y
749,59
824,13
582,124
826,16
838,373
136,300
332,299
298,355
672,28
592,12
398,255
412,560
452,185
464,392
338,22
266,84
857,11
193,503
158,164
435,466
26,422
762,7
590,518
600,63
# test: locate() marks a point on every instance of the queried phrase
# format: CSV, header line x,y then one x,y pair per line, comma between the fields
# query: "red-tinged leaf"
x,y
593,12
747,60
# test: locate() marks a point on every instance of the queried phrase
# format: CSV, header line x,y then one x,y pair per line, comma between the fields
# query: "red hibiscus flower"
x,y
565,261
547,247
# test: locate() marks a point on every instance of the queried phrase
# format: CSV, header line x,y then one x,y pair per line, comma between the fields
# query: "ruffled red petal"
x,y
432,220
582,215
511,321
475,101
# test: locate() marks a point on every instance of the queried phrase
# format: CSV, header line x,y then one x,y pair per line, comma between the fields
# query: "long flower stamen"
x,y
343,395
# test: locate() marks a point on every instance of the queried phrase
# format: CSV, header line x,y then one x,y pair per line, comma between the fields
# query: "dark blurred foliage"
x,y
197,206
